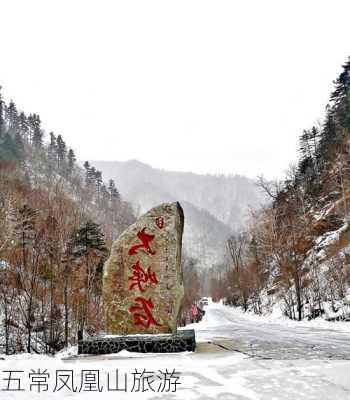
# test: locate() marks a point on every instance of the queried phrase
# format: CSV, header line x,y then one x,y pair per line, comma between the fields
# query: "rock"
x,y
142,282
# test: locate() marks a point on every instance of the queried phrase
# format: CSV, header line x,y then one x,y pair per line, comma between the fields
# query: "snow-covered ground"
x,y
238,357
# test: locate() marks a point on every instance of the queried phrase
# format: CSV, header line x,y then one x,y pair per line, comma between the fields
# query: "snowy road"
x,y
275,340
239,357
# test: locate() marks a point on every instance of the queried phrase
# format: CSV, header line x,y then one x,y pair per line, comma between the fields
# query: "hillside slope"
x,y
296,255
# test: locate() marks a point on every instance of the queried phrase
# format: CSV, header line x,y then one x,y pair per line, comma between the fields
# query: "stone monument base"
x,y
183,340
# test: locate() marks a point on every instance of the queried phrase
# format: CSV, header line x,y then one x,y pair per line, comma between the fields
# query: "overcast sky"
x,y
207,86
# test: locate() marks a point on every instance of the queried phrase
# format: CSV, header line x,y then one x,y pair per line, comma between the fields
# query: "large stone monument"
x,y
143,287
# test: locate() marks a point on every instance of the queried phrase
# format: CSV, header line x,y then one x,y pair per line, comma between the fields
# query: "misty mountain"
x,y
214,205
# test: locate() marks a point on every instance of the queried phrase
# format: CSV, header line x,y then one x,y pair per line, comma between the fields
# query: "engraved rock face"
x,y
142,280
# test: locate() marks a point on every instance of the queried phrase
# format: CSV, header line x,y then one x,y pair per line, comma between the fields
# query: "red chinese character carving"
x,y
160,222
142,313
141,276
145,243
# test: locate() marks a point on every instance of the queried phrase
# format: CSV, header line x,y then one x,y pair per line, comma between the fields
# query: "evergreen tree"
x,y
98,181
61,151
12,118
37,134
341,96
71,161
52,149
104,197
92,175
87,173
113,191
308,147
328,140
88,237
25,227
23,126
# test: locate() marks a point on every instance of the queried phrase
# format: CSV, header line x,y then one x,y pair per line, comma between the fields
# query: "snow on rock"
x,y
319,250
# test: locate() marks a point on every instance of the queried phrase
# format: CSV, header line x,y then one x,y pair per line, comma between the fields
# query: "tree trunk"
x,y
6,326
66,316
51,307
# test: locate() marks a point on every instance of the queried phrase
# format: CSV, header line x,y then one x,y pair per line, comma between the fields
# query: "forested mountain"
x,y
214,205
297,251
57,223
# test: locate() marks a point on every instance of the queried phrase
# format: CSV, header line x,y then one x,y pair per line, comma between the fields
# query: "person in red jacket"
x,y
194,313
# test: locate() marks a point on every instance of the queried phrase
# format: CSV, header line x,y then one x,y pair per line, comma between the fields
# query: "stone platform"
x,y
183,340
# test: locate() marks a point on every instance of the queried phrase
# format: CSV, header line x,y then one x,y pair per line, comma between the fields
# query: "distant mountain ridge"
x,y
214,205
